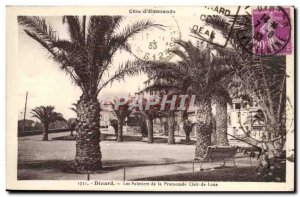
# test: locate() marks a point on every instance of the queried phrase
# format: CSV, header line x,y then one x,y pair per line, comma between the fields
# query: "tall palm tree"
x,y
86,57
121,114
172,124
46,115
205,72
263,78
233,55
199,72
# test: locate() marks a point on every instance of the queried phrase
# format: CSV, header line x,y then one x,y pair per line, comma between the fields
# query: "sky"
x,y
47,85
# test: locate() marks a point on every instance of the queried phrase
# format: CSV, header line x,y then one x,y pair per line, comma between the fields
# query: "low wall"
x,y
39,132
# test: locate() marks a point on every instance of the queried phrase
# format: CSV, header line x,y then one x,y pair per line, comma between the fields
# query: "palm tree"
x,y
86,57
147,116
121,114
205,72
188,128
114,123
172,124
193,72
46,115
168,81
72,122
221,97
263,78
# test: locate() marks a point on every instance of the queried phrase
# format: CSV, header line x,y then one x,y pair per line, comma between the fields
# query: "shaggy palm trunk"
x,y
187,139
120,131
221,122
203,127
149,122
184,118
166,126
45,132
88,154
171,123
214,131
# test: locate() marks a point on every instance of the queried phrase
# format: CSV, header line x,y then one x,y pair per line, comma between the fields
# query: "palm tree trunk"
x,y
184,118
187,139
161,123
221,122
166,126
171,123
88,154
120,131
214,131
150,129
45,132
203,127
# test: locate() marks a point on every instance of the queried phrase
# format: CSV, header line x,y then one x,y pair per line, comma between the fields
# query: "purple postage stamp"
x,y
271,31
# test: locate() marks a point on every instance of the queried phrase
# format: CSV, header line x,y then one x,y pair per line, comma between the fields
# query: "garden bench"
x,y
252,151
217,153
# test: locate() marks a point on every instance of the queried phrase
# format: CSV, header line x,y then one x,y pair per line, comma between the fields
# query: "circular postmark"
x,y
269,34
155,44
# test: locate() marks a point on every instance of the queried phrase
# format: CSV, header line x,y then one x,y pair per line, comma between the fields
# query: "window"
x,y
237,106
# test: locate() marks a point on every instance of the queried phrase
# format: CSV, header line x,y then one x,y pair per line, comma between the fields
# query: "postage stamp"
x,y
271,31
167,99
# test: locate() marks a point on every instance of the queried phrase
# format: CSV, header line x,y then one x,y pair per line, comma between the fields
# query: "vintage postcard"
x,y
150,98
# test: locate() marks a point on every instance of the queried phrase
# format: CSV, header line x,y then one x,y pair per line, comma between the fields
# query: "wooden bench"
x,y
252,151
217,153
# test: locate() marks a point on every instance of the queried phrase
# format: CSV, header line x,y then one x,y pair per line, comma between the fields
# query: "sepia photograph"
x,y
150,98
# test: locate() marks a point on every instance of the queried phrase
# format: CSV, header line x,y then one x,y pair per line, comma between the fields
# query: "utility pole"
x,y
25,112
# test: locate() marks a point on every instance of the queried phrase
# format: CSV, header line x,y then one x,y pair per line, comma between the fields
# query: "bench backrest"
x,y
220,152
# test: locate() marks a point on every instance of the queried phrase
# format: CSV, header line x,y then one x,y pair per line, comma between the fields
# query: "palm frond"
x,y
75,29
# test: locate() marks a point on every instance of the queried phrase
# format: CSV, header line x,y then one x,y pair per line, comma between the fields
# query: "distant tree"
x,y
46,115
122,112
114,123
38,126
188,128
72,122
27,126
142,123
